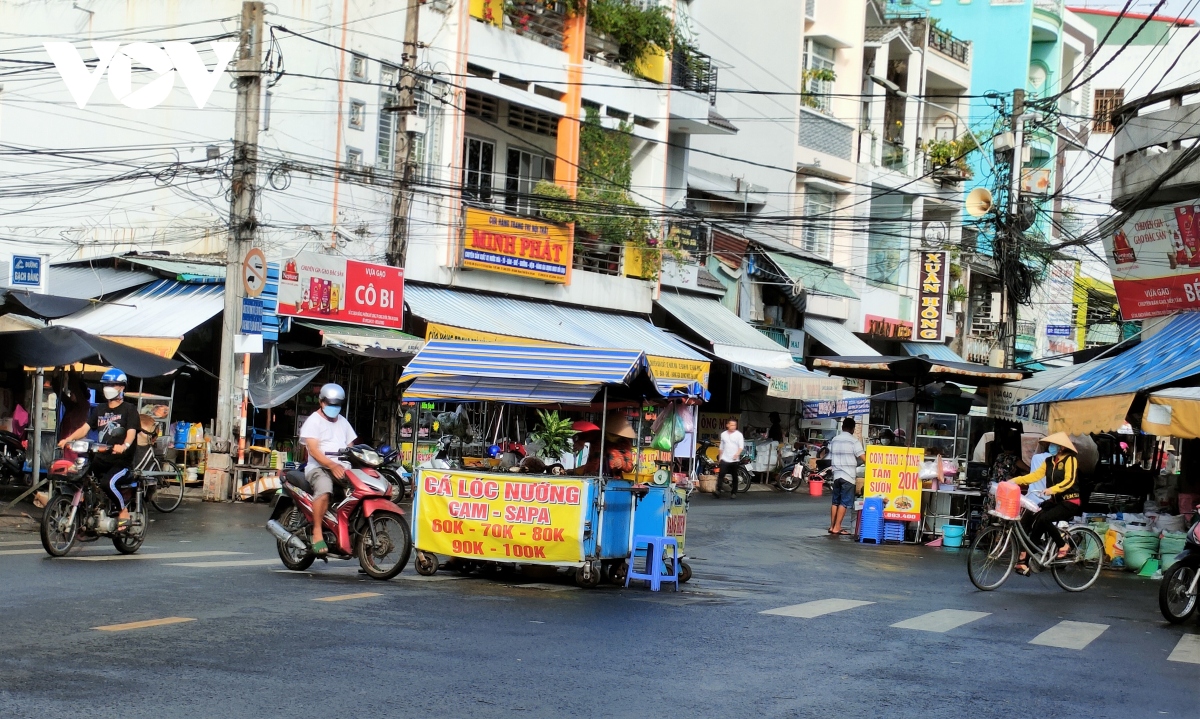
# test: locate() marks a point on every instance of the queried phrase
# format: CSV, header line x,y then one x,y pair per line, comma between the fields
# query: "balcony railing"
x,y
595,255
948,45
535,20
1027,328
693,70
777,335
1054,6
895,156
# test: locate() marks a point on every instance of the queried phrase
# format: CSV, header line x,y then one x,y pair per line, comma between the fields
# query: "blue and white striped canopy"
x,y
530,374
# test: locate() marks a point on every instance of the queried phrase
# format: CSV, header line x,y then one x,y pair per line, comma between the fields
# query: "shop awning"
x,y
531,374
908,369
371,341
61,346
1173,412
933,350
45,307
476,317
165,310
815,277
88,282
182,270
1170,355
837,338
714,322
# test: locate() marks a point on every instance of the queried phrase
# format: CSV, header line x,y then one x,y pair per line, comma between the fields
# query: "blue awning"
x,y
932,350
518,373
1172,354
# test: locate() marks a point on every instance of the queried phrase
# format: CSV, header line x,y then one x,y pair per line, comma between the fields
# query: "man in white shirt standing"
x,y
845,452
730,456
325,430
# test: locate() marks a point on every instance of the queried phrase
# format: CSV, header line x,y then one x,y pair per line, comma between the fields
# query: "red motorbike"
x,y
362,520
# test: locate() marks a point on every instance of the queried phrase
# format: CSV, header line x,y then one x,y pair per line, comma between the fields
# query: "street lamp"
x,y
894,88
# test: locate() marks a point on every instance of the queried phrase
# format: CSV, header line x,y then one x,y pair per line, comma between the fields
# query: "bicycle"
x,y
995,549
166,493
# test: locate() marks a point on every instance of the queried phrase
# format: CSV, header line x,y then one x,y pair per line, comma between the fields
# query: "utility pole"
x,y
1009,239
242,222
402,171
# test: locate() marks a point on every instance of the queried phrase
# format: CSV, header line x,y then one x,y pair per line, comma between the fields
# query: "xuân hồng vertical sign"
x,y
931,302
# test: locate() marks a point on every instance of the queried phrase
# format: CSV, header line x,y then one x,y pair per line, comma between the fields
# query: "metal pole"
x,y
600,479
402,172
36,461
1009,304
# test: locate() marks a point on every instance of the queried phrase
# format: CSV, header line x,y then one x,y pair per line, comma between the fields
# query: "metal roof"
x,y
83,282
822,279
837,338
182,270
542,321
715,322
356,330
932,350
164,309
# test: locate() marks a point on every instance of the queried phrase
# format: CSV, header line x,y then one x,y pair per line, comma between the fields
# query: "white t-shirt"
x,y
332,435
732,445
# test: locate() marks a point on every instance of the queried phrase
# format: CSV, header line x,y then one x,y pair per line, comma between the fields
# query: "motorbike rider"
x,y
325,430
115,422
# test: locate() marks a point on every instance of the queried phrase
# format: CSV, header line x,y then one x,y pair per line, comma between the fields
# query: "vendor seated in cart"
x,y
618,448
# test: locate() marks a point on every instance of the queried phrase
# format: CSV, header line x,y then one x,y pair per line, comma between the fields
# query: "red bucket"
x,y
815,486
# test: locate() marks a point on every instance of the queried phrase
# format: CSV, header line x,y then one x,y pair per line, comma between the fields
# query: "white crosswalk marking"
x,y
92,548
20,543
229,563
1187,650
160,555
1069,635
943,620
818,608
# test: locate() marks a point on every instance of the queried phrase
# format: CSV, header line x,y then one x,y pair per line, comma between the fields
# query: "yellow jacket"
x,y
1060,473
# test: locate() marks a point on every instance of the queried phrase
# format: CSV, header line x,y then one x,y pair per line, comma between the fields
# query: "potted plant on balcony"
x,y
948,158
957,295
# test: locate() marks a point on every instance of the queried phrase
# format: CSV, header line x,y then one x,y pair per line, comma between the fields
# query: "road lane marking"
x,y
229,563
344,597
820,607
21,543
159,555
1069,635
1187,650
14,552
943,620
144,624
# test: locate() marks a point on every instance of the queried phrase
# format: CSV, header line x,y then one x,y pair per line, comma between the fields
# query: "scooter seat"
x,y
297,479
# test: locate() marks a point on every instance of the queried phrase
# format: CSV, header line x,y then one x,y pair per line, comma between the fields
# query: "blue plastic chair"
x,y
656,568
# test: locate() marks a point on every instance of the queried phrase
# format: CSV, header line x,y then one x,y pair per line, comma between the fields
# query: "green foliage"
x,y
815,74
554,433
958,293
951,153
636,29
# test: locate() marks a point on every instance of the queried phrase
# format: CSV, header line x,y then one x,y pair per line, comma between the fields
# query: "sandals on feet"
x,y
1021,569
321,549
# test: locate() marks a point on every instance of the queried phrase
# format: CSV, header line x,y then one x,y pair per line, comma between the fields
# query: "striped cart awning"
x,y
527,374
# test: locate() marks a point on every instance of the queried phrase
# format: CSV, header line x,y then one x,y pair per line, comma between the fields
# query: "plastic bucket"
x,y
952,535
815,487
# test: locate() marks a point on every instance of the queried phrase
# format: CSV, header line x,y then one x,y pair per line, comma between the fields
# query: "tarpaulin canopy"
x,y
530,374
271,384
908,369
46,307
1174,412
59,346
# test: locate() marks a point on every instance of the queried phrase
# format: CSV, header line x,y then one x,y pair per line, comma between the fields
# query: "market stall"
x,y
585,521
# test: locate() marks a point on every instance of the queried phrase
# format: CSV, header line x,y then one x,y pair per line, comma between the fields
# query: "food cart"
x,y
484,518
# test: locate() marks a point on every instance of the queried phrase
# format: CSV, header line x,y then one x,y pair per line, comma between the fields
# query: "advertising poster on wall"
x,y
1155,261
931,301
517,246
894,474
336,289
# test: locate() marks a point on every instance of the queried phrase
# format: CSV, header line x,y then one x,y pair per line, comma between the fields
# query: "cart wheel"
x,y
464,566
685,572
426,564
588,576
615,573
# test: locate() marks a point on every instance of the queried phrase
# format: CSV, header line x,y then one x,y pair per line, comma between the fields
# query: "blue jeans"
x,y
843,493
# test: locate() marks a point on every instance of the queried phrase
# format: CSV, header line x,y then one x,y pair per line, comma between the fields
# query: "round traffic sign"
x,y
254,272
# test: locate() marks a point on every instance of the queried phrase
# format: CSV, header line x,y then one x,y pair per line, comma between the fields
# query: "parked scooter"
x,y
1180,586
362,520
707,465
80,510
12,459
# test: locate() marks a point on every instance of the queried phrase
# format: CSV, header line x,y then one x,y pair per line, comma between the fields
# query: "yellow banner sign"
x,y
668,368
517,246
500,518
894,474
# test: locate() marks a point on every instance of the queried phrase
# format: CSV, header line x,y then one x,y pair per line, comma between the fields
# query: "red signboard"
x,y
888,328
1155,261
336,289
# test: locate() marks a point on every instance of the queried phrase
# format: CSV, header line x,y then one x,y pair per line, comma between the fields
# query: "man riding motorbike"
x,y
115,422
325,430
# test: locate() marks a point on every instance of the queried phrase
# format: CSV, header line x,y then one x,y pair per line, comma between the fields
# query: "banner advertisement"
x,y
517,519
887,328
853,407
820,388
1155,261
1002,404
336,289
712,424
894,474
517,246
931,303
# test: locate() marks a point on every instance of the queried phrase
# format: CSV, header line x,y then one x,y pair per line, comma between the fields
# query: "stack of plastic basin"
x,y
870,520
893,531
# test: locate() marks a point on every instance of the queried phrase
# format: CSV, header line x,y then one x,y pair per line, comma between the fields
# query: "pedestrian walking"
x,y
845,454
732,444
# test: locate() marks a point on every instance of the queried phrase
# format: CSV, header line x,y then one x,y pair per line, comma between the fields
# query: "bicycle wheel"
x,y
1081,567
992,557
168,489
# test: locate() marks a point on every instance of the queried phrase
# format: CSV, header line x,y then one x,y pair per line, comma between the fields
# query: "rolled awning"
x,y
908,369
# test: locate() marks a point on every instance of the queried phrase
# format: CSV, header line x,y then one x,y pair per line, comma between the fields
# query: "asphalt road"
x,y
257,642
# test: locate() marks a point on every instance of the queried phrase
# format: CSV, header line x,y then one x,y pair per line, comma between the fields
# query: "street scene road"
x,y
780,620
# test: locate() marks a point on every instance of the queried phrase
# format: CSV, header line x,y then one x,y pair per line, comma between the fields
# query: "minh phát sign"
x,y
517,246
931,301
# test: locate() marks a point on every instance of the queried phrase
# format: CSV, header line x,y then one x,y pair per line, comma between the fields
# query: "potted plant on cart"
x,y
554,434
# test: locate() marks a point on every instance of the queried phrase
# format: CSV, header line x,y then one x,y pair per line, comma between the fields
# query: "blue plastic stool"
x,y
655,572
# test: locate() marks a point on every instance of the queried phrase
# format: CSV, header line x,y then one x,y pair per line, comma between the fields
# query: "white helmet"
x,y
332,394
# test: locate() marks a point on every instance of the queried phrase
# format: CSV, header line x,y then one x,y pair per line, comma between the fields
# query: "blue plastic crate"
x,y
893,531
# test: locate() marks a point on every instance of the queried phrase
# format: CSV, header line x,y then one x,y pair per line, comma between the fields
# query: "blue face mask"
x,y
1052,450
331,412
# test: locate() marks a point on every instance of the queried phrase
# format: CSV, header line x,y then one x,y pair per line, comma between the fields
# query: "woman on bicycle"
x,y
1061,473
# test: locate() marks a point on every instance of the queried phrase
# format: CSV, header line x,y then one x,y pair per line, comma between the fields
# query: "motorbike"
x,y
1180,586
80,510
707,465
394,472
12,459
362,520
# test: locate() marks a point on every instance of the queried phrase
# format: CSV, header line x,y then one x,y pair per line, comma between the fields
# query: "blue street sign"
x,y
26,271
252,316
1059,330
